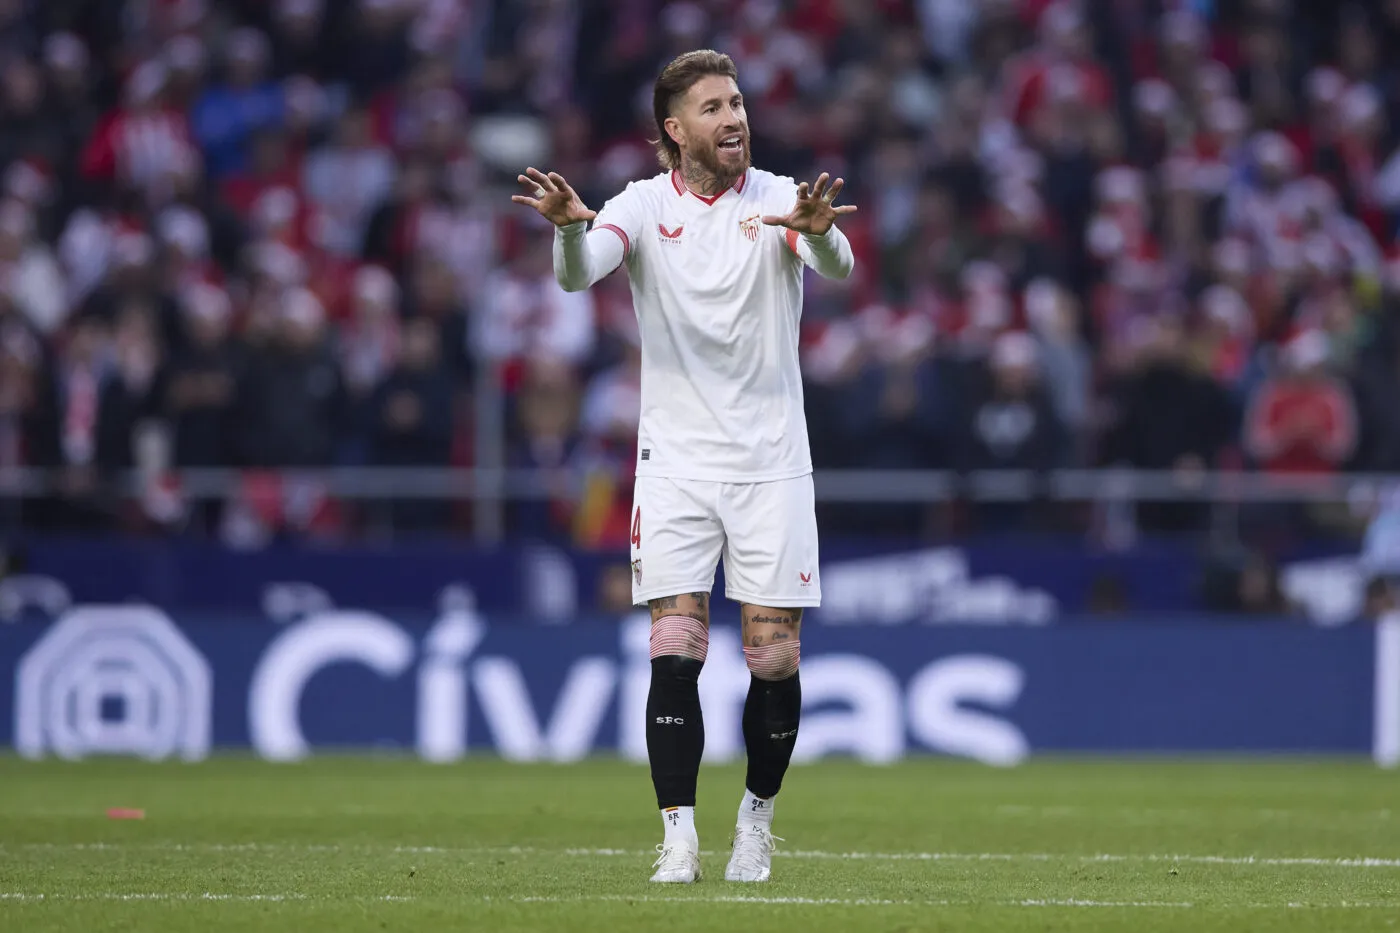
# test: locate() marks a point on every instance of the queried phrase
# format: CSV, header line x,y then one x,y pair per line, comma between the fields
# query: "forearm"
x,y
830,254
582,258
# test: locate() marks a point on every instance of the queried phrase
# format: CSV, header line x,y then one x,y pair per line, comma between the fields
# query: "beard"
x,y
724,170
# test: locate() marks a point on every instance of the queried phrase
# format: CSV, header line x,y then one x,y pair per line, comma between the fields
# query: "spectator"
x,y
1011,423
1064,360
26,416
30,273
527,315
299,38
143,141
377,45
411,419
369,340
67,66
345,181
547,439
1303,419
1167,416
412,406
1008,422
246,102
31,131
200,383
291,398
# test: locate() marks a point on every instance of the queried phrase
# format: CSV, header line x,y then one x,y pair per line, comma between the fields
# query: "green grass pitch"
x,y
358,844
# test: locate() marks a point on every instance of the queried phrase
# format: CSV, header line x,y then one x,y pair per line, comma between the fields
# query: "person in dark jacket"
x,y
411,417
291,397
1008,423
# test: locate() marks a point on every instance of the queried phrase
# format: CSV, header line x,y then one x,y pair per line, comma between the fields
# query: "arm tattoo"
x,y
664,602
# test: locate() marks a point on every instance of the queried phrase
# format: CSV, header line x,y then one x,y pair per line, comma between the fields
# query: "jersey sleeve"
x,y
622,217
828,255
584,256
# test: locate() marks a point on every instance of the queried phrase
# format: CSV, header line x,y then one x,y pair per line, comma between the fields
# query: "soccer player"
x,y
715,251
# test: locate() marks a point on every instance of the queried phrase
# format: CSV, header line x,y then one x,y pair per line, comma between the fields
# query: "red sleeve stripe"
x,y
622,234
791,236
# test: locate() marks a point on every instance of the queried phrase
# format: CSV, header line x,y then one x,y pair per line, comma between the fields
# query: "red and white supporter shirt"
x,y
718,299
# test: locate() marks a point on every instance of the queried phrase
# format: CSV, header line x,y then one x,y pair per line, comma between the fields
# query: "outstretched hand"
x,y
553,198
813,213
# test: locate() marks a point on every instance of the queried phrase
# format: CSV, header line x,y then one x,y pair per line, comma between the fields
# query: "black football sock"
x,y
771,713
675,729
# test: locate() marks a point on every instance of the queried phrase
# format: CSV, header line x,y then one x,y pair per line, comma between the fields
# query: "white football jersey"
x,y
718,297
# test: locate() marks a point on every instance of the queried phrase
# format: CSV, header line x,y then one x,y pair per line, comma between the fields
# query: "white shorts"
x,y
767,533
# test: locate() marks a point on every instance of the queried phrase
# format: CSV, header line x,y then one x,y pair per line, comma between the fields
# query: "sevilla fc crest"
x,y
750,228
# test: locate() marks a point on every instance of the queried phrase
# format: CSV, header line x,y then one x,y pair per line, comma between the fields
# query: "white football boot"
x,y
752,856
678,862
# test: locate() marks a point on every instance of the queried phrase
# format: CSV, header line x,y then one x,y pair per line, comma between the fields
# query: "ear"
x,y
675,131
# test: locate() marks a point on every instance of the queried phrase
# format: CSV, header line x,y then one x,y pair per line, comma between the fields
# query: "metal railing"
x,y
489,490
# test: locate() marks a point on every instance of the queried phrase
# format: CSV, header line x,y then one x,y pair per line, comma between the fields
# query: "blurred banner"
x,y
997,582
135,680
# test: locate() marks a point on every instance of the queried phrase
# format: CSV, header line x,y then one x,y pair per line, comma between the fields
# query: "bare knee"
x,y
693,605
772,641
680,626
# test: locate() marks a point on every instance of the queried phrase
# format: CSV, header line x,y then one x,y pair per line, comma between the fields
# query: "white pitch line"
x,y
1368,862
27,897
1277,861
879,902
149,896
1173,814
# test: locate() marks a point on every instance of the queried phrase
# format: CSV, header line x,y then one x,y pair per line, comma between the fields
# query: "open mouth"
x,y
731,144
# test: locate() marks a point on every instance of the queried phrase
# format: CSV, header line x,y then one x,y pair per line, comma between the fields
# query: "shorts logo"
x,y
670,236
806,578
750,227
637,571
646,453
113,680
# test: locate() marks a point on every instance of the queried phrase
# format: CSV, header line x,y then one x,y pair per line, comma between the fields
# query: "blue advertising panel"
x,y
134,679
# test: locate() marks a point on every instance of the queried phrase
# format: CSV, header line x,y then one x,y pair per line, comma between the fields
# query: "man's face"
x,y
710,126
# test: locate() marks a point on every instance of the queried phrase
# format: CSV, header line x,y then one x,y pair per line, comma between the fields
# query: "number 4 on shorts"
x,y
637,528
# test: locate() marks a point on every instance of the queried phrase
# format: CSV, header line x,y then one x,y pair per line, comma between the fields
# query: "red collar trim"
x,y
682,190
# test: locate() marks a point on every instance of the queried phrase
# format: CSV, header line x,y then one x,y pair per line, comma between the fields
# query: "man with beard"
x,y
715,251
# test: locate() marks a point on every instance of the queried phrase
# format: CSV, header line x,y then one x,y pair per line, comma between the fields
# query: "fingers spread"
x,y
836,187
773,220
540,179
528,202
820,186
845,209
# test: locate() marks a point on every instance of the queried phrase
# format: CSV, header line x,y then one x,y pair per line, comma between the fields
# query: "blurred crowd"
x,y
264,234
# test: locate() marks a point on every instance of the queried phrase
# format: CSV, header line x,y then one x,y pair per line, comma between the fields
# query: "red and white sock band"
x,y
776,661
679,635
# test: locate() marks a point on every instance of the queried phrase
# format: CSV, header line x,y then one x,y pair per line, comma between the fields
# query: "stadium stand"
x,y
271,234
